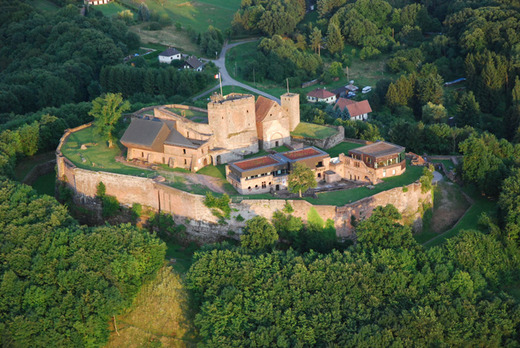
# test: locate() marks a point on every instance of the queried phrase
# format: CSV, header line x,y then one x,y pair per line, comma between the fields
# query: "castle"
x,y
236,126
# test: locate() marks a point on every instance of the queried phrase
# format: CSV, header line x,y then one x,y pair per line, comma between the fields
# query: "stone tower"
x,y
291,105
233,121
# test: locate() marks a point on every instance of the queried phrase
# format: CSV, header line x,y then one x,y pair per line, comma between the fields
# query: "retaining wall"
x,y
326,143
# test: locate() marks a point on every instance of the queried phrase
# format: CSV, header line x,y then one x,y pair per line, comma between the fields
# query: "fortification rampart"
x,y
189,209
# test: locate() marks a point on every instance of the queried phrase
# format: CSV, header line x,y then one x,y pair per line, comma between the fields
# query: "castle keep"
x,y
236,126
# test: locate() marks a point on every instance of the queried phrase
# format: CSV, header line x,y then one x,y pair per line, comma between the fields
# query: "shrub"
x,y
110,206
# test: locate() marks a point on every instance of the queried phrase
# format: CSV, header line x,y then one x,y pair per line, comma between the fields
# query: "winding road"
x,y
227,80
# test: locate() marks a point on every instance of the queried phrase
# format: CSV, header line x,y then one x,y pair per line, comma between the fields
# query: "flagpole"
x,y
220,79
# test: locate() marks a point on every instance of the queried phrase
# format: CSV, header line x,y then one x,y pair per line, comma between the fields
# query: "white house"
x,y
356,110
169,55
321,95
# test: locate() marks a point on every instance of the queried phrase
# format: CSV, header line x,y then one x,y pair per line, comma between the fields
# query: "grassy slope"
x,y
24,166
199,14
470,220
110,9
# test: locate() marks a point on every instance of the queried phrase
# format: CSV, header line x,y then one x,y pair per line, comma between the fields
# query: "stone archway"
x,y
275,140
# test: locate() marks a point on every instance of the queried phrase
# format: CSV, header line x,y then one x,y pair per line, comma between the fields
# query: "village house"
x,y
353,109
270,173
321,95
169,55
194,63
236,126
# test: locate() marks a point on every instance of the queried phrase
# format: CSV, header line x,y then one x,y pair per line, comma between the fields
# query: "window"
x,y
264,185
249,188
256,187
184,151
384,173
393,171
187,134
185,161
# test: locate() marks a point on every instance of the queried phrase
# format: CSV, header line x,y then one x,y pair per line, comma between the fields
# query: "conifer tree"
x,y
334,39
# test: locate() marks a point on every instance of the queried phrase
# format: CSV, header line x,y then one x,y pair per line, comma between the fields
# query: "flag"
x,y
217,75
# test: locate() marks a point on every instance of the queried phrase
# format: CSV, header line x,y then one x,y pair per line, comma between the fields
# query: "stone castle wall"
x,y
189,209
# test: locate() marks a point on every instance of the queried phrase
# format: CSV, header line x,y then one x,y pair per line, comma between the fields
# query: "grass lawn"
x,y
111,9
313,131
45,184
470,220
342,197
44,5
24,166
218,172
343,147
198,14
98,156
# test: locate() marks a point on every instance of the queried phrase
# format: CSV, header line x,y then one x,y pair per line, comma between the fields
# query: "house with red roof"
x,y
356,110
321,95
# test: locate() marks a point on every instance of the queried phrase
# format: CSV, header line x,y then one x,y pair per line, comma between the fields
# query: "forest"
x,y
284,281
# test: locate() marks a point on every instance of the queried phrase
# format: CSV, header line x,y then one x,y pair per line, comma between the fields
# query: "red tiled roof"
x,y
354,108
255,162
320,93
342,103
294,155
262,107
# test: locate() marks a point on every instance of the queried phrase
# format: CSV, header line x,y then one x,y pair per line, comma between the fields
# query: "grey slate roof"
x,y
194,62
377,149
142,132
169,52
152,134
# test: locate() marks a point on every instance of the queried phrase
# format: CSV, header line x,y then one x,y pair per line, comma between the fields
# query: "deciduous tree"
x,y
106,111
301,179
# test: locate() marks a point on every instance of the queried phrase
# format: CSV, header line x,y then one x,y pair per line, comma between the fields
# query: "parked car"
x,y
366,89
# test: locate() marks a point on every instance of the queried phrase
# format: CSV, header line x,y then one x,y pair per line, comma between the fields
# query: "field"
x,y
168,36
110,9
198,14
313,131
158,317
343,147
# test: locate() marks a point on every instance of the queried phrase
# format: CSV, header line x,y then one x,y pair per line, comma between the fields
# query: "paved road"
x,y
227,80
